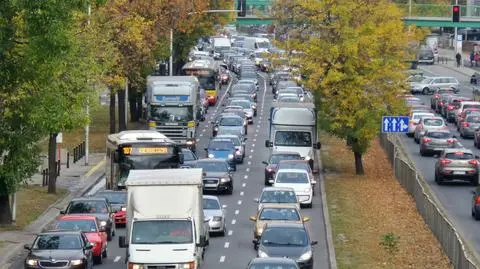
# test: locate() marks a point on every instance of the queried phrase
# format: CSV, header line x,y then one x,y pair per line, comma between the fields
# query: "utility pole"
x,y
171,52
87,109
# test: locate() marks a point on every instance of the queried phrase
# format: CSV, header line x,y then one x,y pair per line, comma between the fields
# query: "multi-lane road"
x,y
235,249
455,198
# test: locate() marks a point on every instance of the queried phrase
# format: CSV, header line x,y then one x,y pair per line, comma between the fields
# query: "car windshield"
x,y
427,81
272,265
278,197
276,158
279,214
248,75
433,122
114,197
415,79
188,155
64,241
162,232
231,121
473,119
459,156
293,138
284,236
294,165
439,135
171,114
85,207
291,177
213,166
86,226
210,204
219,145
471,106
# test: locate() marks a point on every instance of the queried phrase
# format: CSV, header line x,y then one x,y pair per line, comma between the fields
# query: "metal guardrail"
x,y
430,209
435,10
78,153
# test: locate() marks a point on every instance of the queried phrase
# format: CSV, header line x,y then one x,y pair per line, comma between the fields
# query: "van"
x,y
425,56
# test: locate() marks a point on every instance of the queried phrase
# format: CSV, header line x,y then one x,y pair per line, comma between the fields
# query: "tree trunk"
x,y
122,123
52,163
141,112
113,122
5,211
135,109
358,163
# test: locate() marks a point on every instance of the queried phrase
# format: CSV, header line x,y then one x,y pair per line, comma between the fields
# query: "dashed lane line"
x,y
249,163
222,259
227,244
237,211
117,259
250,156
239,202
248,169
251,150
230,233
244,185
245,177
253,145
242,193
234,221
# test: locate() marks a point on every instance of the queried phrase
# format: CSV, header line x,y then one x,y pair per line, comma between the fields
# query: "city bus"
x,y
207,73
139,150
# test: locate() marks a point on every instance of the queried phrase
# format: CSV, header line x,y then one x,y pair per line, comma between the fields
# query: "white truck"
x,y
220,45
165,227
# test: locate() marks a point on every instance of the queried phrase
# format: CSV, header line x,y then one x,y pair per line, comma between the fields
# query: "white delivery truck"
x,y
220,45
166,227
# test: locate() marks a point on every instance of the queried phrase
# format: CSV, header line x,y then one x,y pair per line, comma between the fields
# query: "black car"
x,y
290,240
217,176
268,263
189,158
60,249
94,206
274,160
118,202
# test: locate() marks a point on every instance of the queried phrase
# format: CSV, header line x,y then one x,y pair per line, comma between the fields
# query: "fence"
x,y
430,209
46,173
78,153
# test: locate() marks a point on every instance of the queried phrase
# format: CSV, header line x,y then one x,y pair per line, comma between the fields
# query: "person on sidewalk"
x,y
472,58
459,59
477,58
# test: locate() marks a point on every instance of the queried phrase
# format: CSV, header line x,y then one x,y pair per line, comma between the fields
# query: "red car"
x,y
89,226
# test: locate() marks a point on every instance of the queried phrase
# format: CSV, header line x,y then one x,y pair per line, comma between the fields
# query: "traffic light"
x,y
456,13
242,8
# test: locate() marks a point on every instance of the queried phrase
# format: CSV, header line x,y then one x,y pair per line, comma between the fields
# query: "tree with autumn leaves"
x,y
352,54
56,57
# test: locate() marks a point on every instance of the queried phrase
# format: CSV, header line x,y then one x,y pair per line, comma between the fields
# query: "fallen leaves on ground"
x,y
363,209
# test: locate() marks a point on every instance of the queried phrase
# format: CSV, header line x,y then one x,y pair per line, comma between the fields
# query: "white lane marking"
x,y
198,139
264,90
203,130
239,202
245,177
253,145
257,130
250,156
251,150
222,259
236,212
117,259
200,135
248,169
230,233
249,163
256,134
254,140
227,244
234,221
242,193
244,185
258,126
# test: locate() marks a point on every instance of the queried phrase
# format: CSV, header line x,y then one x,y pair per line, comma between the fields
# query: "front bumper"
x,y
80,266
305,264
218,186
215,226
304,198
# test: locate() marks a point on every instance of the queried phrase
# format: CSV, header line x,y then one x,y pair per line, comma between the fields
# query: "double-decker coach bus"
x,y
138,150
207,73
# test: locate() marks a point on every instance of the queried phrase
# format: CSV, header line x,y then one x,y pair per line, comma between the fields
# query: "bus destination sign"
x,y
144,150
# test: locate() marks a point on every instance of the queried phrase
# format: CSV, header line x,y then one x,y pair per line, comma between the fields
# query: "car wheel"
x,y
222,233
97,259
475,215
109,236
425,91
438,179
474,181
422,153
416,140
104,253
230,190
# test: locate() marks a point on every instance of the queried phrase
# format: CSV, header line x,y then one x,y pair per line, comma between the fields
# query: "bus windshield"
x,y
171,113
207,82
293,139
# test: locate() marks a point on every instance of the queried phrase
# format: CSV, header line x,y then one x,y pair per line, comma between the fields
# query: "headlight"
x,y
76,262
190,142
307,190
217,218
254,106
230,156
124,209
135,266
32,262
238,152
306,256
189,265
225,179
262,254
211,155
260,231
103,223
216,128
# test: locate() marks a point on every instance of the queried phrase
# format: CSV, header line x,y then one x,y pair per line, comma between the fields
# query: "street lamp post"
x,y
171,52
87,108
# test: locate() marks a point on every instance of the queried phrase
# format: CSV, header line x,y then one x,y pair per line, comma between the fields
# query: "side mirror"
x,y
252,218
206,149
436,156
454,136
318,145
268,144
26,246
115,157
265,163
203,241
473,192
256,200
62,212
245,139
271,181
121,242
306,219
314,182
313,243
88,246
477,157
206,220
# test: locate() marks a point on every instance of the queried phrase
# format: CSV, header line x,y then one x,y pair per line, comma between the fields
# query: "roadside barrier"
x,y
431,210
46,173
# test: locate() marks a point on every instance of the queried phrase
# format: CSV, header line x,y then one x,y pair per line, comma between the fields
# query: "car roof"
x,y
291,171
77,217
67,232
277,189
284,153
225,136
453,150
276,260
275,205
293,161
110,191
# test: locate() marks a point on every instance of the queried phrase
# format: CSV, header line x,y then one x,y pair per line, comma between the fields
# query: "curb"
x,y
326,217
11,251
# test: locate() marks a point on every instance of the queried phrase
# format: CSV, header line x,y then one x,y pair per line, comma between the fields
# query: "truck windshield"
x,y
293,139
171,113
162,232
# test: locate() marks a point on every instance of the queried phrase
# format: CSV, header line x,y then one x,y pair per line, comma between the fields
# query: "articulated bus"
x,y
207,73
139,150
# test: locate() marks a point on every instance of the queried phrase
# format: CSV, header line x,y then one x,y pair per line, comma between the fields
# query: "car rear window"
x,y
474,119
471,106
439,135
433,122
459,156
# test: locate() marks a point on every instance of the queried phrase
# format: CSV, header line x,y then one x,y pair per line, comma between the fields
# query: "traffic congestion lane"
x,y
455,198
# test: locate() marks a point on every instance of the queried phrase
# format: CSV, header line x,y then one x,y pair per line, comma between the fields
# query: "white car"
x,y
427,85
277,195
212,209
415,119
428,123
299,180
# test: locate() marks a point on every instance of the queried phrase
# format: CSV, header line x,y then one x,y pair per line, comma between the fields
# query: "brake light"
x,y
445,162
440,103
269,169
473,162
451,141
477,200
426,140
437,96
450,107
466,124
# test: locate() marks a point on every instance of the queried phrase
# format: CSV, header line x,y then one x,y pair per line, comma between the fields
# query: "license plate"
x,y
459,173
210,185
438,149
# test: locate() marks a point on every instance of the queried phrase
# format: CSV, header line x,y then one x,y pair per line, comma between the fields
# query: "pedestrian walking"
x,y
459,59
472,57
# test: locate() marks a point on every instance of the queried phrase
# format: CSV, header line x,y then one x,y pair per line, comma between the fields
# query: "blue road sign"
x,y
394,124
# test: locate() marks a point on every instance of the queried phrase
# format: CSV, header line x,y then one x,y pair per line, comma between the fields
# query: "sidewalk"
x,y
466,69
77,179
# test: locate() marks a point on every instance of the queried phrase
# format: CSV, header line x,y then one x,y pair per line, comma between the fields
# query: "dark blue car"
x,y
222,149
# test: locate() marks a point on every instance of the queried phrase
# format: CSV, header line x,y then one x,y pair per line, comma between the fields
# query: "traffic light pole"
x,y
455,37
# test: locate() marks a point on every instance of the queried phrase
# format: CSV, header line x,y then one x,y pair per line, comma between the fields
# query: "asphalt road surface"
x,y
456,198
235,250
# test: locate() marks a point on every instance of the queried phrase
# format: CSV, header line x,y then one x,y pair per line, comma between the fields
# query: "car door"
x,y
88,252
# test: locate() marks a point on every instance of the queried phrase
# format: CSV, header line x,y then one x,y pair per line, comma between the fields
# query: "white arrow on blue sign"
x,y
395,124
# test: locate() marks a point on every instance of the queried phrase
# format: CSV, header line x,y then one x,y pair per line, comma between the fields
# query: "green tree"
x,y
352,55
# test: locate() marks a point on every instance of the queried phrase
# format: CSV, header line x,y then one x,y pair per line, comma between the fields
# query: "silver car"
x,y
277,195
239,143
470,125
457,164
212,209
435,141
427,85
247,108
427,124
